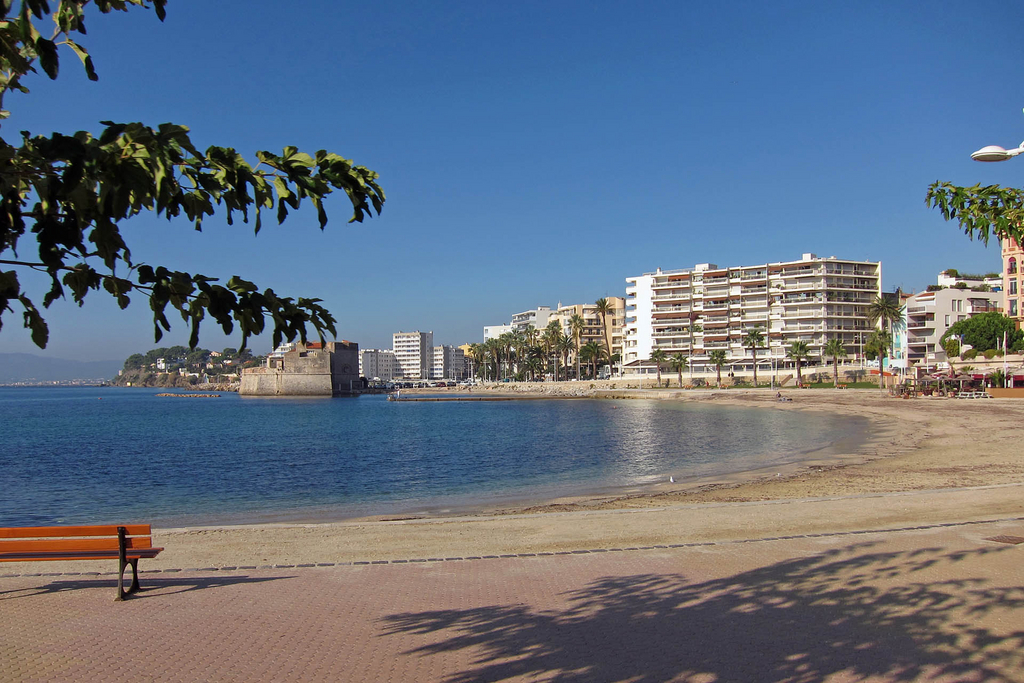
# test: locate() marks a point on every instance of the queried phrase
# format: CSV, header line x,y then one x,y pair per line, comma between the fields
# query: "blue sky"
x,y
537,152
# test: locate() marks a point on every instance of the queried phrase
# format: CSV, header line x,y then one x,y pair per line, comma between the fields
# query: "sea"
x,y
83,455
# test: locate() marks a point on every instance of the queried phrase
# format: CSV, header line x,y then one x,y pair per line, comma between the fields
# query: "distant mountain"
x,y
25,367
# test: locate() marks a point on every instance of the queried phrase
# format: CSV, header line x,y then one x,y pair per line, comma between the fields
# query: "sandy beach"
x,y
925,461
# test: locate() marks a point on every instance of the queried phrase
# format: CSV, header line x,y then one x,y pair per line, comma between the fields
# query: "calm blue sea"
x,y
91,455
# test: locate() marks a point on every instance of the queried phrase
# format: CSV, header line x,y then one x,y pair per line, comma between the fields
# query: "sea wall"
x,y
272,382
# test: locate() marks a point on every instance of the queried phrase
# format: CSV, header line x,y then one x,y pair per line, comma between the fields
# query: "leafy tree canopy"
x,y
985,331
64,196
983,211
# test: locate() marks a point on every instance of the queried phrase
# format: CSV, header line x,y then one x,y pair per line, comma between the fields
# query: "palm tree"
x,y
533,364
506,344
494,350
880,342
550,341
591,353
658,357
565,347
678,362
717,358
834,347
576,326
799,352
754,340
889,313
885,310
604,307
478,354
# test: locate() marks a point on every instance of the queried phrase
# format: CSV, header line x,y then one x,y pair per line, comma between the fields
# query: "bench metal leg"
x,y
123,562
121,592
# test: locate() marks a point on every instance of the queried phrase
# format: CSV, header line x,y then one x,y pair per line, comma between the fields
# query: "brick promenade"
x,y
934,604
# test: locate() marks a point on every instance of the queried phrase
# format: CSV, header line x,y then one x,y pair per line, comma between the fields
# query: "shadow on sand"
x,y
851,612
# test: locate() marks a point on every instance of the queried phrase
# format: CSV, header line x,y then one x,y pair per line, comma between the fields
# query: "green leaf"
x,y
86,59
34,322
48,59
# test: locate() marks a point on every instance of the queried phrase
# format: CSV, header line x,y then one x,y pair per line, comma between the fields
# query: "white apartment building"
x,y
696,310
414,352
379,364
929,314
536,317
449,362
495,331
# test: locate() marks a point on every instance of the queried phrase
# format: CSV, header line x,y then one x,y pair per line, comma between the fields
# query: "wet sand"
x,y
926,461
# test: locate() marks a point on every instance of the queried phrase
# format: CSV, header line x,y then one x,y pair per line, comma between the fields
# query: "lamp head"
x,y
996,153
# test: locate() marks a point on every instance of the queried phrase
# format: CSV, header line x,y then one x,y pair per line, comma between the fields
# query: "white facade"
x,y
379,364
414,353
993,282
930,314
697,310
537,317
449,362
495,331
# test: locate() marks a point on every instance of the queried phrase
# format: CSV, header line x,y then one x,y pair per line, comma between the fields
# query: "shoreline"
x,y
926,461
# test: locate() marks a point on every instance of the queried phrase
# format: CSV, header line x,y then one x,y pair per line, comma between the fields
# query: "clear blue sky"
x,y
537,152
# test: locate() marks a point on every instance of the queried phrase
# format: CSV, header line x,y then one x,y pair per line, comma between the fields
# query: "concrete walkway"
x,y
941,603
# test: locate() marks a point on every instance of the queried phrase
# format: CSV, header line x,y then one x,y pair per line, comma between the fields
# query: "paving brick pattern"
x,y
936,604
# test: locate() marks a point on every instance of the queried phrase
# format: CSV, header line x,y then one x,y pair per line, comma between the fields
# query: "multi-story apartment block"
x,y
536,317
612,329
414,352
697,310
495,331
1013,283
929,314
449,362
379,364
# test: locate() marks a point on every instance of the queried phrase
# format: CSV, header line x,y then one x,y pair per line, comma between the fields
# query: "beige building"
x,y
612,336
1013,270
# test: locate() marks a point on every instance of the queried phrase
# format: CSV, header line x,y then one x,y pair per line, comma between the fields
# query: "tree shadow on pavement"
x,y
150,587
851,612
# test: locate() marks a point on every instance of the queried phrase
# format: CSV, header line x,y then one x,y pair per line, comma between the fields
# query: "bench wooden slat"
x,y
69,531
44,546
140,553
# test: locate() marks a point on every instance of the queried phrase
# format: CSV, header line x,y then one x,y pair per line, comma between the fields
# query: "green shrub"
x,y
990,354
969,354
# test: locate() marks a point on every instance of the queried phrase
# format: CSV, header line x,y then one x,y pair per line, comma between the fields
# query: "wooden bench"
x,y
126,543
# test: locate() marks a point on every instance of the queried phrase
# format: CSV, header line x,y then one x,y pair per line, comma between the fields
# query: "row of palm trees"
x,y
885,310
798,352
530,353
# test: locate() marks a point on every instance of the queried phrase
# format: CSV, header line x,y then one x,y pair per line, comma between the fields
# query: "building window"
x,y
1013,286
947,321
1013,308
1011,266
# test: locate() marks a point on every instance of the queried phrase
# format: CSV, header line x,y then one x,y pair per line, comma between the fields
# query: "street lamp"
x,y
996,153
